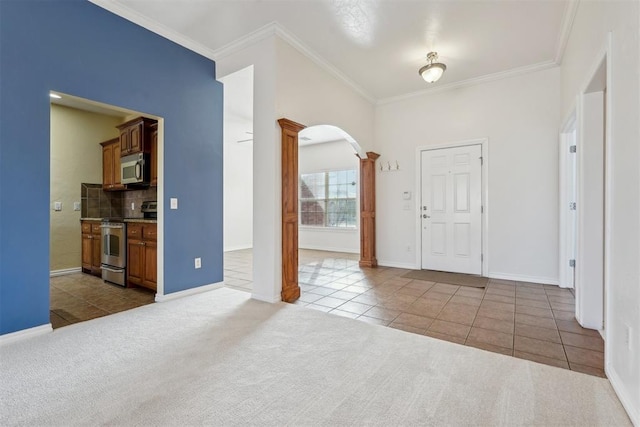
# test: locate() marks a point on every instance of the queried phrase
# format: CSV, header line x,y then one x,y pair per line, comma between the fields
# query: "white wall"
x,y
309,95
238,160
76,157
520,117
267,239
336,155
587,40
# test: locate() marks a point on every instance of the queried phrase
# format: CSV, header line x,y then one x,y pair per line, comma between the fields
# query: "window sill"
x,y
328,229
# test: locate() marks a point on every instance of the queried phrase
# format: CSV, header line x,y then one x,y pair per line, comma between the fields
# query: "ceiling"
x,y
376,46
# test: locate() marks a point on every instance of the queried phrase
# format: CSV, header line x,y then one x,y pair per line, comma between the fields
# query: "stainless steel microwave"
x,y
135,169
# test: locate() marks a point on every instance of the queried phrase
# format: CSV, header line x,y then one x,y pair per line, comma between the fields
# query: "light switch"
x,y
406,195
76,206
57,206
174,203
407,206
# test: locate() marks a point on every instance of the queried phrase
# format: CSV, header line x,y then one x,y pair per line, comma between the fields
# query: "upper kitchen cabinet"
x,y
111,179
135,136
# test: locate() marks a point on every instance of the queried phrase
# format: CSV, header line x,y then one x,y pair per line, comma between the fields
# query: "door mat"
x,y
444,277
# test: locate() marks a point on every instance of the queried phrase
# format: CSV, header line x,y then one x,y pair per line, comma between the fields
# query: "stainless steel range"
x,y
114,251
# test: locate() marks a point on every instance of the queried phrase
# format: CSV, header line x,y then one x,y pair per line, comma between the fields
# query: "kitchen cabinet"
x,y
154,155
111,179
135,136
91,247
142,251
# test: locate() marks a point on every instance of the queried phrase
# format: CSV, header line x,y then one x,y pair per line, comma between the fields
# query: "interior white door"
x,y
451,209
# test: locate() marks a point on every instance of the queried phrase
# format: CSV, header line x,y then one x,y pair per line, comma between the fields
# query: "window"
x,y
328,199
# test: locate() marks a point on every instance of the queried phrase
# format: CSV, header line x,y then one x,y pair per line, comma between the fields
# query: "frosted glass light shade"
x,y
432,72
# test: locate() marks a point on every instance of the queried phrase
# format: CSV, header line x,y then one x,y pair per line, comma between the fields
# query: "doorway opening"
x,y
238,166
86,188
452,218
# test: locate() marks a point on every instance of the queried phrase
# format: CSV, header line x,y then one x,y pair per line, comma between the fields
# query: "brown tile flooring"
x,y
79,297
526,320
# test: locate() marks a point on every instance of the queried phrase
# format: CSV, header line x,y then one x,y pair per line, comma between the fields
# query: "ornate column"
x,y
368,210
290,288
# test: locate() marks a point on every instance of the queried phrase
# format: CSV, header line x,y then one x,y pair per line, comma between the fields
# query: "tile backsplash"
x,y
137,197
97,203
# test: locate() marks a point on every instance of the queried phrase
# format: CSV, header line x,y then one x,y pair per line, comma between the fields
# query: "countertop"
x,y
144,220
148,221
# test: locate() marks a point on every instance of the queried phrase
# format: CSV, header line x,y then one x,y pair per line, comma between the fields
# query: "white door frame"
x,y
565,234
484,143
581,309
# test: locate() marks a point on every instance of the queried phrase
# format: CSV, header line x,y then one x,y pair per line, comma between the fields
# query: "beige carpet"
x,y
444,277
220,358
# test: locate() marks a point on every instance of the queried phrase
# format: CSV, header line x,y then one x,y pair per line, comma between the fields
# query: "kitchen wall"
x,y
336,155
593,24
76,157
520,117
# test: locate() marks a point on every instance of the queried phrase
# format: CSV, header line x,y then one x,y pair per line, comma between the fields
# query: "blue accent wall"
x,y
78,48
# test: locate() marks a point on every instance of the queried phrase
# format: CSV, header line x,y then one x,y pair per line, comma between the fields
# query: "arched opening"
x,y
292,133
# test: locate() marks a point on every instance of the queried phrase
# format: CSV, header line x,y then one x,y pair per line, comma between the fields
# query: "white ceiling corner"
x,y
567,23
138,18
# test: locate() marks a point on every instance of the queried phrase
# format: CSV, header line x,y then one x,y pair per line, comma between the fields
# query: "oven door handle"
x,y
112,226
112,270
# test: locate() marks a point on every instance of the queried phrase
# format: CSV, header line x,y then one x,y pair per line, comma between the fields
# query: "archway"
x,y
290,133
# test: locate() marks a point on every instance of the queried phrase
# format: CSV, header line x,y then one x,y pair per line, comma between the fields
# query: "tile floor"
x,y
526,320
78,297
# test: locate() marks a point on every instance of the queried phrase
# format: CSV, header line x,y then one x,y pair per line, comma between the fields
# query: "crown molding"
x,y
154,26
274,28
473,81
565,30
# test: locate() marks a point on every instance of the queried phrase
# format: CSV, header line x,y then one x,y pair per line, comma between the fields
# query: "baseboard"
x,y
330,249
383,263
237,248
25,333
266,298
627,403
523,278
64,271
187,292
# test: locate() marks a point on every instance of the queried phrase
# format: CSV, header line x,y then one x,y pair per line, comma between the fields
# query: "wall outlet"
x,y
198,262
133,206
174,203
408,248
627,336
57,206
76,206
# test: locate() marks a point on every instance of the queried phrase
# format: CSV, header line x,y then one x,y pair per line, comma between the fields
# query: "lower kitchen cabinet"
x,y
91,247
142,251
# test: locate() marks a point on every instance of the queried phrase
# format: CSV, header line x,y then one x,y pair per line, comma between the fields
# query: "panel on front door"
x,y
451,215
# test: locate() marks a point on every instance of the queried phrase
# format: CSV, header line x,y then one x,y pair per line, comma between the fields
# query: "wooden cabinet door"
x,y
117,172
87,251
154,158
135,262
124,141
96,254
135,139
107,166
150,265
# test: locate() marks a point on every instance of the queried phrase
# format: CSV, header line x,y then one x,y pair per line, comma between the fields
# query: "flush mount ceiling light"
x,y
433,70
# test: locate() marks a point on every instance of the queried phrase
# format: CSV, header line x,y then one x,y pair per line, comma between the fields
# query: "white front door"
x,y
450,209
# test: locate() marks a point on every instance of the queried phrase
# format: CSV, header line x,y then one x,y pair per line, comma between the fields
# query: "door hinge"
x,y
481,209
572,148
572,263
481,160
481,257
572,206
